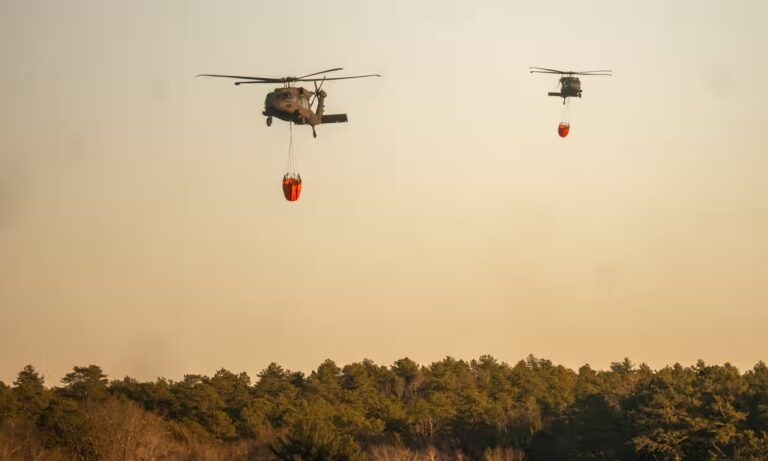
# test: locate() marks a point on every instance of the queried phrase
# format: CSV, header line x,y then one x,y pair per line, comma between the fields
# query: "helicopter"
x,y
295,104
570,86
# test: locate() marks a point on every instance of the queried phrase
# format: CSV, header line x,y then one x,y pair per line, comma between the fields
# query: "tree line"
x,y
452,409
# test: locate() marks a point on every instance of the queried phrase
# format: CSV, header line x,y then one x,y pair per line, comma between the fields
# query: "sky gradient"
x,y
143,228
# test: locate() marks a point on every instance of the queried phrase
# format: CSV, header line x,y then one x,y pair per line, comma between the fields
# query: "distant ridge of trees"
x,y
482,409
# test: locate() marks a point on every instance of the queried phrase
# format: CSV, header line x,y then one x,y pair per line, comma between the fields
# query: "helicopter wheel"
x,y
269,121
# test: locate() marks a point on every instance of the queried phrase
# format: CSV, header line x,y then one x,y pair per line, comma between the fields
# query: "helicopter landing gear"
x,y
269,121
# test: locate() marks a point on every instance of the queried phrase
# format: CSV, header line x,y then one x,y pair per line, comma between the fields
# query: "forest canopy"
x,y
452,409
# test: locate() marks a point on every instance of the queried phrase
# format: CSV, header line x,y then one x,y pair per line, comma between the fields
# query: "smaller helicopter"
x,y
293,104
569,85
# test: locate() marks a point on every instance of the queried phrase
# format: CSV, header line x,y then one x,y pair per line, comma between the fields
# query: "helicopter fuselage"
x,y
569,87
292,105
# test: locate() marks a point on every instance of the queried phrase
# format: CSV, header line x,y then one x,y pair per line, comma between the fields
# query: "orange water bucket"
x,y
291,188
563,129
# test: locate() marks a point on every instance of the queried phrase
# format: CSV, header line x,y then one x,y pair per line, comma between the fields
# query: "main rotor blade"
x,y
321,72
262,79
257,81
335,78
550,70
584,72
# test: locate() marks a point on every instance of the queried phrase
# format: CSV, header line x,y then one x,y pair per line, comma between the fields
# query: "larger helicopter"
x,y
295,104
569,85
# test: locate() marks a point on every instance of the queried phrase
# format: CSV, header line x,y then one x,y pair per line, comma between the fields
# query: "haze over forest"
x,y
142,225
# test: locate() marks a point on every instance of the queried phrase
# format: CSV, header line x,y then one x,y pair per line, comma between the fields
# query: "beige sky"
x,y
142,225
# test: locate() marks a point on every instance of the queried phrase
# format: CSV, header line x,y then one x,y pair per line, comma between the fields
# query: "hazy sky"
x,y
143,227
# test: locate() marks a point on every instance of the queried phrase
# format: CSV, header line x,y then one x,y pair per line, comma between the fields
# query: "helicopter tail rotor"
x,y
318,89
